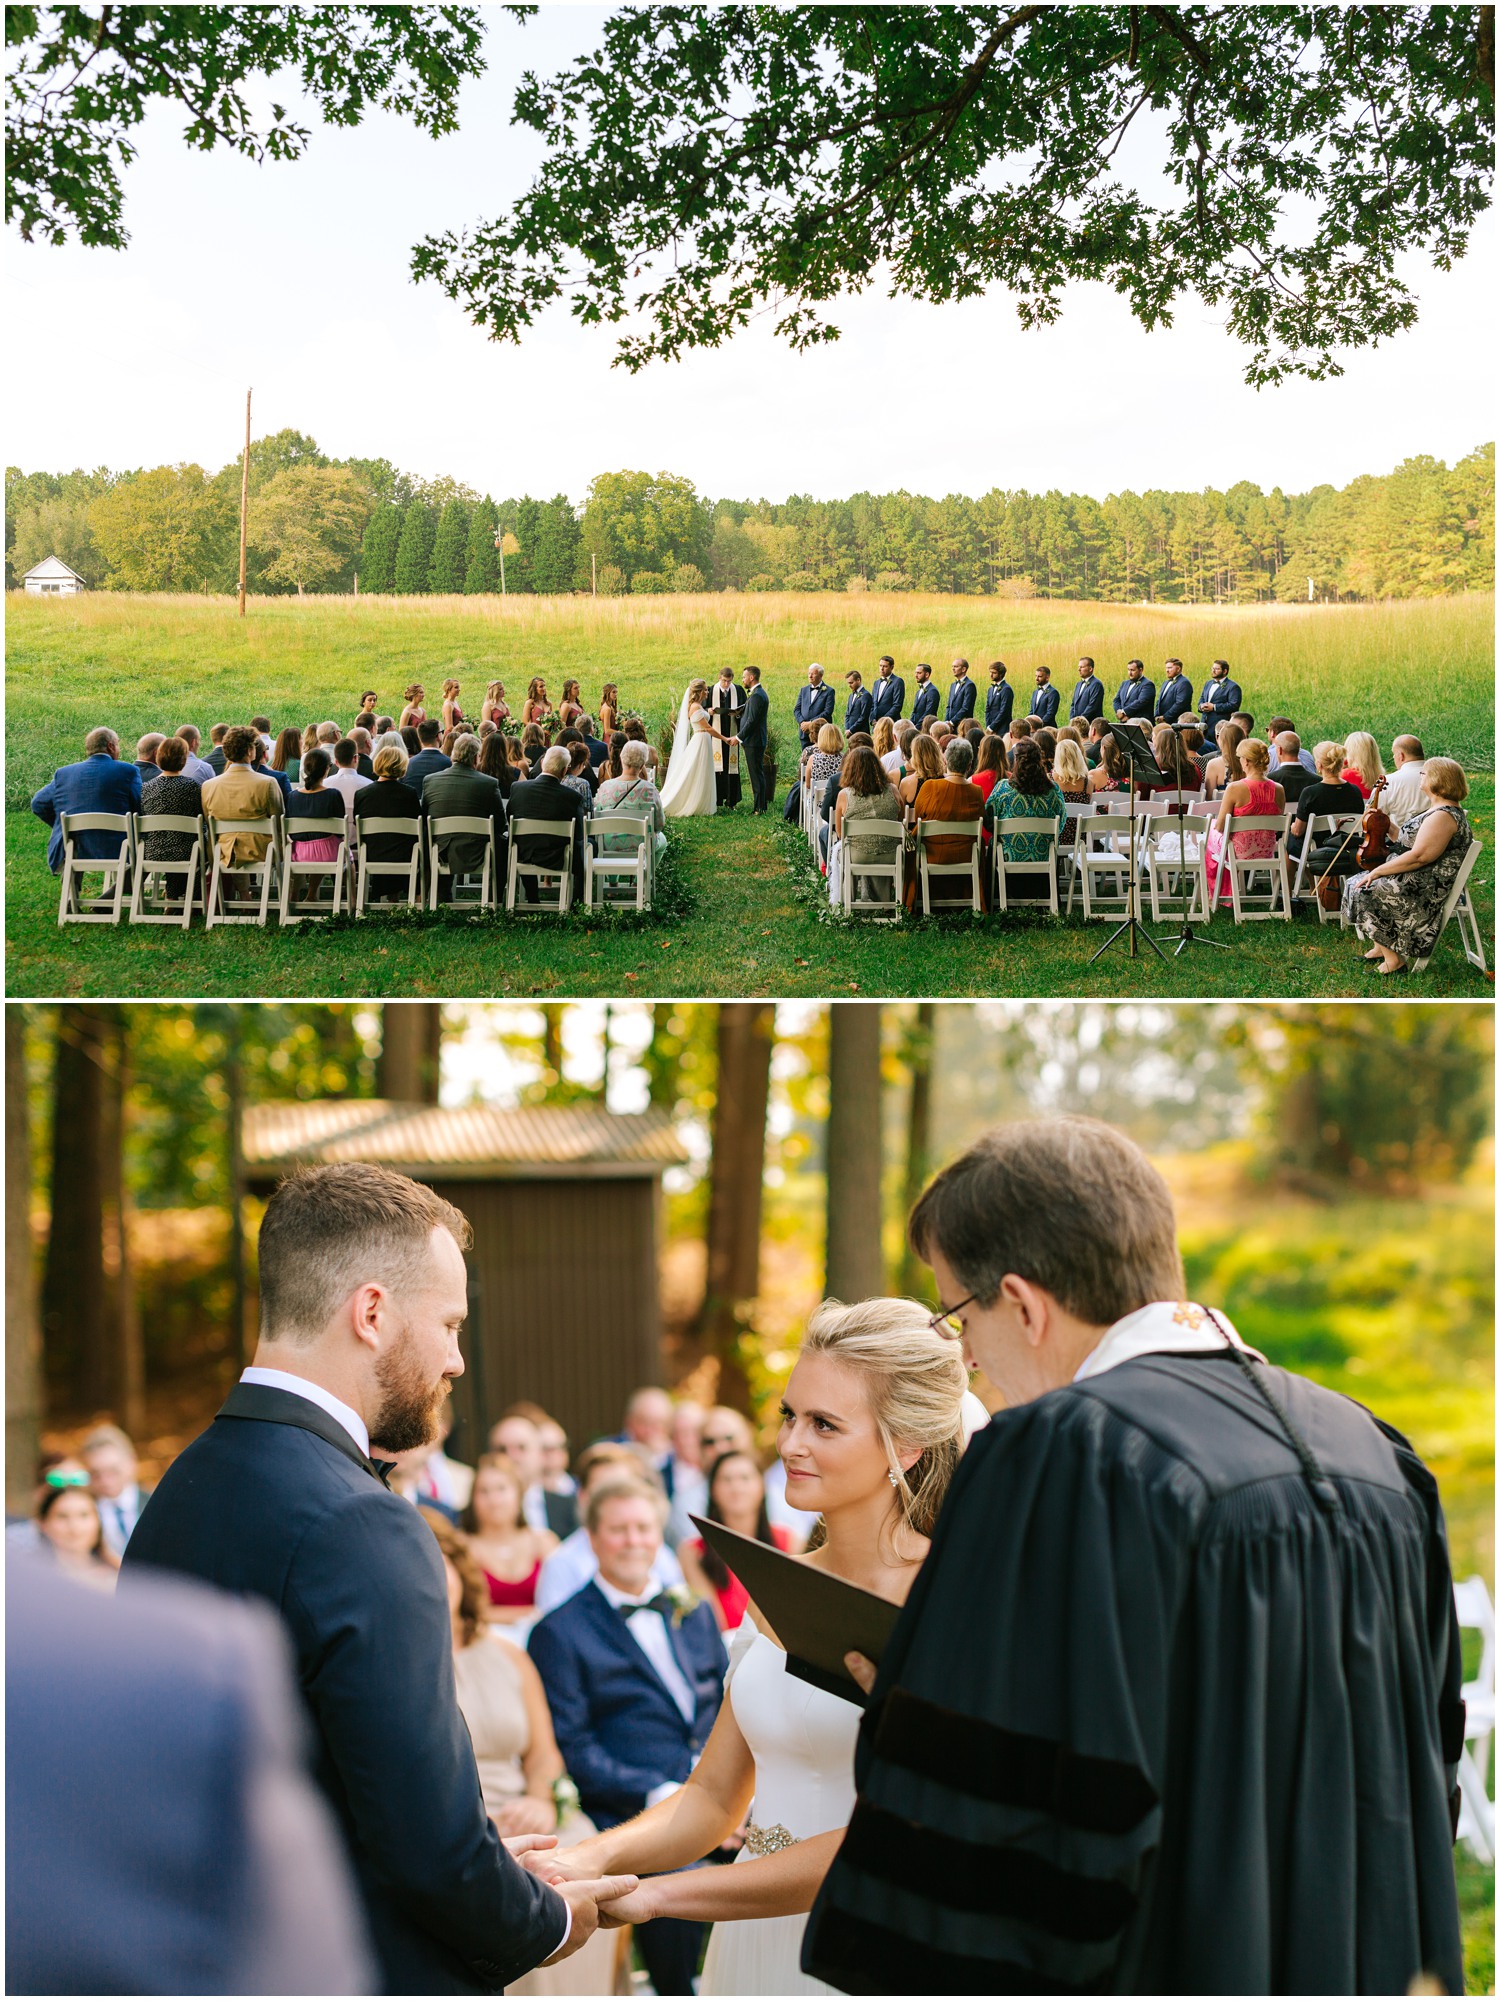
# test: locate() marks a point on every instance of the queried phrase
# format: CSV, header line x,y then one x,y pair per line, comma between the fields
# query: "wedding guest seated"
x,y
316,799
1362,765
365,742
1023,726
1070,773
448,1482
1328,793
1403,795
1225,769
533,743
822,762
1288,770
388,798
951,797
72,1535
215,754
99,783
990,766
1112,772
1397,906
573,1563
429,757
411,742
287,756
941,733
632,790
508,1550
463,792
345,777
1279,726
262,727
1028,794
546,797
145,755
556,1457
114,1481
260,764
518,1436
1046,741
1253,796
865,793
595,744
883,742
635,732
1171,755
1093,748
579,777
737,1498
499,758
196,766
634,1684
924,762
242,793
724,1429
171,793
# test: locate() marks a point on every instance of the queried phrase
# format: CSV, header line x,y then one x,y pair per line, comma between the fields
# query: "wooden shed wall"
x,y
564,1307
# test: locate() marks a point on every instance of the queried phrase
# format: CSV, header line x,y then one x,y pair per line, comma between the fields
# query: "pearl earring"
x,y
894,1477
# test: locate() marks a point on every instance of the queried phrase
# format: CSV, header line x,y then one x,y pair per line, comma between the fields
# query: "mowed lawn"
x,y
753,927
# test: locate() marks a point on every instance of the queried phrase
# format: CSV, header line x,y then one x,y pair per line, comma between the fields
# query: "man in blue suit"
x,y
961,695
1044,699
924,702
1176,698
889,690
1000,701
634,1685
429,760
859,710
1135,698
813,706
363,1290
1221,696
1088,696
99,784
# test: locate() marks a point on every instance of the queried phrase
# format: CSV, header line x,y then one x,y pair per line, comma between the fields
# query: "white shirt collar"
x,y
1165,1327
618,1598
299,1386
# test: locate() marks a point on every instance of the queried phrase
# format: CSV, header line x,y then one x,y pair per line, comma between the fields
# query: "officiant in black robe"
x,y
1174,1705
726,700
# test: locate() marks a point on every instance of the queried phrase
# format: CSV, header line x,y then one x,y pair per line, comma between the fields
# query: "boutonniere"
x,y
683,1603
565,1801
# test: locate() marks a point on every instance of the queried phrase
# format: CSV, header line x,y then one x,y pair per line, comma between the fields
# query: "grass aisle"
x,y
753,930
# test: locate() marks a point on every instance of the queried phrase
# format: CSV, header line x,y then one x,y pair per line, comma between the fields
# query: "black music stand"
x,y
1141,764
1186,935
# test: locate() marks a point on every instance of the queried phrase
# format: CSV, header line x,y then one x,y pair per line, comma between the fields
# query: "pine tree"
x,y
556,547
445,576
414,551
482,564
377,556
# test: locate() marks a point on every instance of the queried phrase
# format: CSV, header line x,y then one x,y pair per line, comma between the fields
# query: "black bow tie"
x,y
660,1603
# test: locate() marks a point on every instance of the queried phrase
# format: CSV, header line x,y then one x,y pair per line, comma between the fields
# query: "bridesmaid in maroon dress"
x,y
506,1548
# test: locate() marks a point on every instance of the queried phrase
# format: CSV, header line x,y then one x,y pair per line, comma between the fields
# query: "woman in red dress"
x,y
737,1498
507,1549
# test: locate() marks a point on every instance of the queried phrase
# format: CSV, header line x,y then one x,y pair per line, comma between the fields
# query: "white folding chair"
x,y
927,869
482,895
410,869
629,866
1241,870
152,900
1014,828
337,870
1104,854
1169,874
809,801
1476,1818
224,905
1335,827
77,904
1460,904
885,908
556,882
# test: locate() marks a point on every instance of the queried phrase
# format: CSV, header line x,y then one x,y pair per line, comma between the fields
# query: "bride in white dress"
x,y
688,790
871,1433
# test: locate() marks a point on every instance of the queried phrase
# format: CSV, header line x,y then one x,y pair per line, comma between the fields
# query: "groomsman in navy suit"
x,y
961,695
1088,696
924,703
859,710
1045,699
813,706
889,691
1000,701
1176,698
1135,698
634,1685
1221,696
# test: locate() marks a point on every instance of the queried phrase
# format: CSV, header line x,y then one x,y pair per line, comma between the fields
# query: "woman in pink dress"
x,y
1252,797
507,1549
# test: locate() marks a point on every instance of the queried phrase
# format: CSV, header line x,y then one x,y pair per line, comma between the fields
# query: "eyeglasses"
x,y
946,1321
717,1438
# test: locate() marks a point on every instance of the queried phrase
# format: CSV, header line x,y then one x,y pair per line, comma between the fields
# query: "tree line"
x,y
319,524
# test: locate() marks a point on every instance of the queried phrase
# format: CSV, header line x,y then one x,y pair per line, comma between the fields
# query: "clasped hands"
x,y
592,1900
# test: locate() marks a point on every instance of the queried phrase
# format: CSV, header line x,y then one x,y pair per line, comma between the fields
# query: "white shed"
x,y
53,578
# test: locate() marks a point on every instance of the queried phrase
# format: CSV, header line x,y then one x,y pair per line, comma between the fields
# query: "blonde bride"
x,y
688,790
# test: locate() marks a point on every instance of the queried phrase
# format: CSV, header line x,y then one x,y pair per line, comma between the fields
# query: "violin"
x,y
1375,828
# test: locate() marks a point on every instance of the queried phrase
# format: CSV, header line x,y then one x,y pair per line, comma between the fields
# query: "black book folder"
x,y
817,1617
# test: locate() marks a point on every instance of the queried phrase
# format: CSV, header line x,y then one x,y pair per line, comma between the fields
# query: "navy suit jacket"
x,y
619,1731
890,696
98,784
999,706
1220,698
924,702
1044,703
424,765
276,1501
545,798
961,698
1088,700
1175,699
753,716
859,711
812,705
1136,698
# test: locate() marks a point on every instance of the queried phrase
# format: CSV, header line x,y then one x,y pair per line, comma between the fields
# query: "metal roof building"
x,y
564,1203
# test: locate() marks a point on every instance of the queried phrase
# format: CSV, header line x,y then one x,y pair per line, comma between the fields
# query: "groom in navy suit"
x,y
634,1685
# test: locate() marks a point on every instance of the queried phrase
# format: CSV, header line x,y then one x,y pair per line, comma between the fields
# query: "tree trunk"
x,y
74,1297
552,1047
855,1266
23,1373
919,1046
746,1033
127,1379
241,1347
410,1052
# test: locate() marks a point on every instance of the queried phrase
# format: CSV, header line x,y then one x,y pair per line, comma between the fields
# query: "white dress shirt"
x,y
117,1518
299,1386
573,1563
1402,794
649,1631
534,1507
199,768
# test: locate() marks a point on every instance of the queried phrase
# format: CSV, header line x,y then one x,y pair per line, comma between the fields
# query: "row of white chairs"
x,y
130,884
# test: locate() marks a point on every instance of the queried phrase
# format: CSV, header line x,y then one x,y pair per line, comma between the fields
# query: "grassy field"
x,y
144,663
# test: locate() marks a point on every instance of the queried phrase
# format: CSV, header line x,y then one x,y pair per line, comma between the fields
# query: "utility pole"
x,y
594,572
500,546
244,500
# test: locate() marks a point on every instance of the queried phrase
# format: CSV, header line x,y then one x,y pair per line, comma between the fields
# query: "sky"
x,y
293,278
